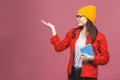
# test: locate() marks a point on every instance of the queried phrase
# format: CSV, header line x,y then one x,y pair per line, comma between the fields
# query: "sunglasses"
x,y
79,16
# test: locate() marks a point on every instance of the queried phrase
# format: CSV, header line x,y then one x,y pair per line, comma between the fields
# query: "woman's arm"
x,y
59,45
104,56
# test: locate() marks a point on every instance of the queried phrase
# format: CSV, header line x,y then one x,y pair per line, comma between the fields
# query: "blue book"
x,y
88,50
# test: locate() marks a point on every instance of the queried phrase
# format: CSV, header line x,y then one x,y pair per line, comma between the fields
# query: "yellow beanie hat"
x,y
88,11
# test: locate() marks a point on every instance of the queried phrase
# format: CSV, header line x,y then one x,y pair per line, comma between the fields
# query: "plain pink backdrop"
x,y
25,49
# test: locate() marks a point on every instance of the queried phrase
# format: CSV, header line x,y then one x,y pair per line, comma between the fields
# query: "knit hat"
x,y
88,11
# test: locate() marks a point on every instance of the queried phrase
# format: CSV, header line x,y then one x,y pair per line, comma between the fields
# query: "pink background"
x,y
25,49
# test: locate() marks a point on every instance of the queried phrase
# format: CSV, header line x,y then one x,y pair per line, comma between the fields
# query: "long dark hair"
x,y
91,28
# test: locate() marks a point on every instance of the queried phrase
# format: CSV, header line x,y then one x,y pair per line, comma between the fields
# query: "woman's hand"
x,y
50,26
85,57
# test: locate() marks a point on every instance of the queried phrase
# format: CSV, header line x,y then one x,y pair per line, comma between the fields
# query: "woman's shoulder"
x,y
71,30
100,36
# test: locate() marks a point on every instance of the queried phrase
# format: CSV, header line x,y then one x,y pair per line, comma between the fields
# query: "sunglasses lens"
x,y
79,16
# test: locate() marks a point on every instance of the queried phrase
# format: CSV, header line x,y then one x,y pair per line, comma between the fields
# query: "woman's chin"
x,y
80,25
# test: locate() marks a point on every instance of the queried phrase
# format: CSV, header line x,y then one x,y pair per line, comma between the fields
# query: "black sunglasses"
x,y
79,16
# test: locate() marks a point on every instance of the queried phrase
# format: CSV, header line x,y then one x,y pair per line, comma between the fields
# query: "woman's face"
x,y
82,20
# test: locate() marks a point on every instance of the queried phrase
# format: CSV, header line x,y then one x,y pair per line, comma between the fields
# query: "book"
x,y
88,50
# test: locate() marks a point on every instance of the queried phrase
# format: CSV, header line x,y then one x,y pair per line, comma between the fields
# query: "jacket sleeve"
x,y
103,57
63,44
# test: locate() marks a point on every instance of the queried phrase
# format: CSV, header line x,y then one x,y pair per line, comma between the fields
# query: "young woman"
x,y
77,38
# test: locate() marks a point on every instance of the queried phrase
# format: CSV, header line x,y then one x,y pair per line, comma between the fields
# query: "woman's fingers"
x,y
48,24
51,26
84,56
44,22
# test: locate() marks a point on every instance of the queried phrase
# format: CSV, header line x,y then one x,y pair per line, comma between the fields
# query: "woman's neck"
x,y
84,31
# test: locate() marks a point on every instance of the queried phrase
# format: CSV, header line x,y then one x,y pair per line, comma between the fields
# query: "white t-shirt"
x,y
81,41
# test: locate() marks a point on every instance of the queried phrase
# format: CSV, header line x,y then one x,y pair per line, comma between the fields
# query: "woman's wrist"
x,y
53,32
91,58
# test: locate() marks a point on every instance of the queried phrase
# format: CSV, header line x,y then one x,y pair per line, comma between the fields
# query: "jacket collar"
x,y
88,39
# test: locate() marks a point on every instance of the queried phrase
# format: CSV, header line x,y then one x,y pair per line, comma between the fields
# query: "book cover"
x,y
88,50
